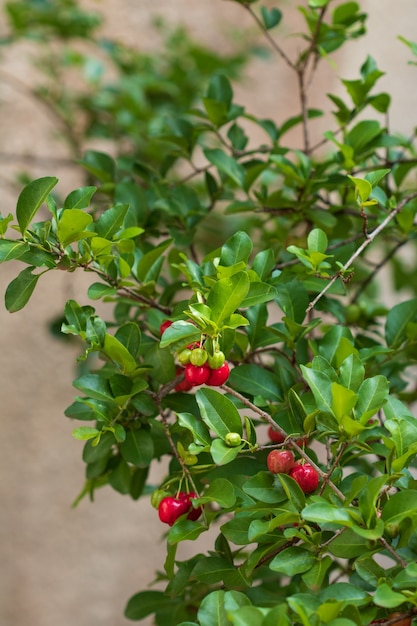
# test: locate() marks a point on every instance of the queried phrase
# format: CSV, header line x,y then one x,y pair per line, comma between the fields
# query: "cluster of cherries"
x,y
171,508
199,367
283,462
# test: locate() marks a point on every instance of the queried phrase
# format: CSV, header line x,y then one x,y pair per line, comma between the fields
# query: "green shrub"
x,y
216,255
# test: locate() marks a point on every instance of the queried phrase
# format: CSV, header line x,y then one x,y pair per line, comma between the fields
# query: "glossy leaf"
x,y
256,381
31,199
226,295
20,290
218,412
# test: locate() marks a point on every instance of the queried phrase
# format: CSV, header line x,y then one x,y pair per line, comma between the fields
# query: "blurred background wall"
x,y
78,567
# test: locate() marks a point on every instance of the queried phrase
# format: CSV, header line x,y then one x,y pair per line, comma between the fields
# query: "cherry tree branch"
x,y
371,237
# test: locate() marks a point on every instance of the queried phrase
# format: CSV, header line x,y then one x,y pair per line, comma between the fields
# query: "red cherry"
x,y
170,509
165,324
183,385
306,476
219,376
197,375
280,461
275,436
193,514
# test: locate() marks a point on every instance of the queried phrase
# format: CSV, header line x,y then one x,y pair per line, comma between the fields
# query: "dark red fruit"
x,y
219,376
306,476
170,509
165,324
184,384
280,461
197,375
193,514
275,436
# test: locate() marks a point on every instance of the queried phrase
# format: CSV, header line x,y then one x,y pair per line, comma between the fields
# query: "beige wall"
x,y
77,567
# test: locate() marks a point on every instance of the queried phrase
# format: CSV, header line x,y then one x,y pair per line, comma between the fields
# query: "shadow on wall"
x,y
79,566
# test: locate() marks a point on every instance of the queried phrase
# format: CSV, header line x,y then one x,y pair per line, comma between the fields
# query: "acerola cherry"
x,y
183,385
165,324
219,376
306,476
275,436
198,356
170,509
184,356
197,375
280,461
194,513
216,360
233,440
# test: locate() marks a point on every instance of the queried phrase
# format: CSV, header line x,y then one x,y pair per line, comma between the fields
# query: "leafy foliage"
x,y
263,254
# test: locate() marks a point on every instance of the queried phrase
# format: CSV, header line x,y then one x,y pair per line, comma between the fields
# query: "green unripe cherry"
x,y
184,356
233,440
198,357
216,360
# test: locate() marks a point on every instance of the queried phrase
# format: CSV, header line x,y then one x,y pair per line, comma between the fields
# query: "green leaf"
x,y
201,435
138,448
317,240
315,577
94,386
12,249
220,490
343,400
144,603
20,289
401,505
226,296
386,597
218,412
372,394
129,335
363,188
99,164
320,385
226,165
85,432
185,530
180,333
79,198
111,221
352,372
271,17
292,297
398,319
72,225
211,611
292,561
263,487
237,248
256,381
376,176
150,259
324,513
119,354
96,291
348,545
31,199
223,454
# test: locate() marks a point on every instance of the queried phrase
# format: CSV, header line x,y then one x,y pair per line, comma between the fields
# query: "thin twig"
x,y
358,252
270,39
291,440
